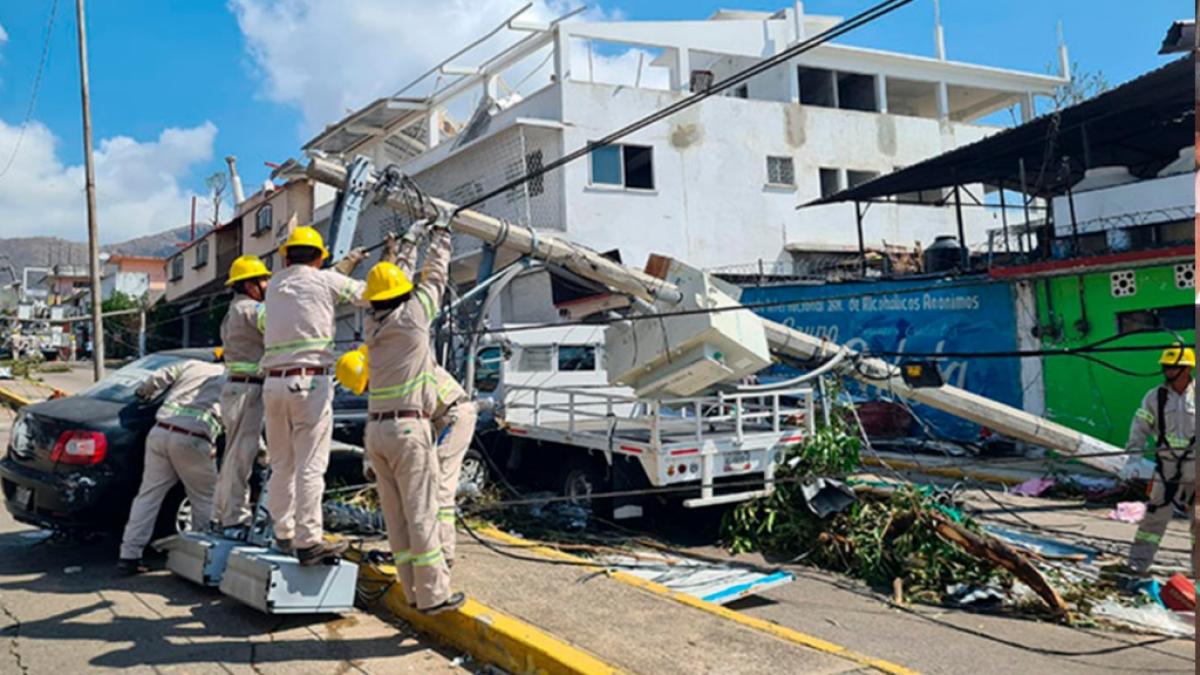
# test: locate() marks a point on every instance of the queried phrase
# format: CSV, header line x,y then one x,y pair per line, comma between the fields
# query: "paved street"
x,y
63,611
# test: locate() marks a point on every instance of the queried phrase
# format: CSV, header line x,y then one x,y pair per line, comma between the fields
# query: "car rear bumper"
x,y
68,501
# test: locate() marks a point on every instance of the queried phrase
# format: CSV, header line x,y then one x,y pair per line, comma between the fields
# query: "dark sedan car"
x,y
76,463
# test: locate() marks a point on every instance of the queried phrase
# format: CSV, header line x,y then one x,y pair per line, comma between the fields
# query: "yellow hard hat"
x,y
304,236
351,370
386,281
246,267
218,353
1178,356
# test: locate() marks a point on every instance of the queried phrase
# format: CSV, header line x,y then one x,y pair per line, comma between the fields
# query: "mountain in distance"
x,y
16,253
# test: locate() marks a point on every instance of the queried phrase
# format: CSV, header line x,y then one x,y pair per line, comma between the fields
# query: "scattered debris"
x,y
1034,487
825,496
1128,512
987,597
1179,594
1148,618
74,569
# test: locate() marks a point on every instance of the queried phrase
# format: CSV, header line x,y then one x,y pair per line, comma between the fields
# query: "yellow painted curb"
x,y
489,635
13,398
774,629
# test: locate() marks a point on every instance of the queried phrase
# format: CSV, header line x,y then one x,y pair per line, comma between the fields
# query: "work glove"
x,y
391,247
346,265
145,391
368,470
441,223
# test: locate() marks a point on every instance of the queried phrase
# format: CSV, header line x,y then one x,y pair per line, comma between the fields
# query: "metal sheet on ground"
x,y
712,582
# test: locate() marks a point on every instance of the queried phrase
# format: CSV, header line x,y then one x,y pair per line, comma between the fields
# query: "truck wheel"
x,y
473,477
583,478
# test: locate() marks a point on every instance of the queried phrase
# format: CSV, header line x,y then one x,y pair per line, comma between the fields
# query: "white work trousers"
x,y
242,417
1154,524
299,431
455,429
406,470
170,458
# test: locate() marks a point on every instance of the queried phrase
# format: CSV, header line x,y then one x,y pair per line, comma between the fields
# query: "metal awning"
x,y
381,117
1142,124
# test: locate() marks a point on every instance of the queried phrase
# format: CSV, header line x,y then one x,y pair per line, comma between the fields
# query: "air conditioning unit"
x,y
663,355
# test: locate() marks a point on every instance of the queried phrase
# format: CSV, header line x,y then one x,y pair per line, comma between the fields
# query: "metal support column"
x,y
1066,167
1004,221
1025,201
962,237
862,246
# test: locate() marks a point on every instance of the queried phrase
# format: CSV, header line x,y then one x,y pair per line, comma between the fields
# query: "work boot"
x,y
283,546
453,602
324,552
128,567
236,532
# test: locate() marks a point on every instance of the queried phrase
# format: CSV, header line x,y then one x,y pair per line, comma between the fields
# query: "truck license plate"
x,y
738,461
23,497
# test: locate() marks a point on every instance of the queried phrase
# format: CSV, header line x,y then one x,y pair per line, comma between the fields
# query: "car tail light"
x,y
80,447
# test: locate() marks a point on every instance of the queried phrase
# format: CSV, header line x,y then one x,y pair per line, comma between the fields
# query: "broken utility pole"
x,y
782,339
90,190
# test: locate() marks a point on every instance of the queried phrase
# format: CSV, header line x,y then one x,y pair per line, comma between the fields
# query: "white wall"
x,y
711,205
1093,206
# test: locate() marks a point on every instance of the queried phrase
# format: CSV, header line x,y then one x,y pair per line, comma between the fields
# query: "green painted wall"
x,y
1088,396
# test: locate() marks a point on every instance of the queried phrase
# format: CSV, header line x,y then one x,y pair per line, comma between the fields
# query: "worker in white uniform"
x,y
241,399
453,418
1167,418
301,305
399,437
181,446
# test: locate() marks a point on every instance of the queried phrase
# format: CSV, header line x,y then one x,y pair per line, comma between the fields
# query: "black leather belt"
x,y
181,430
245,379
292,372
397,414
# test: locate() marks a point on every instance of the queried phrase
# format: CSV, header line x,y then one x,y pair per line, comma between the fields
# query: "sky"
x,y
179,84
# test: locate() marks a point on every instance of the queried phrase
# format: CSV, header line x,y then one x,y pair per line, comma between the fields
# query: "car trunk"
x,y
41,424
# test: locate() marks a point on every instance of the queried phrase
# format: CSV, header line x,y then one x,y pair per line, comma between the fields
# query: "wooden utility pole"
x,y
90,189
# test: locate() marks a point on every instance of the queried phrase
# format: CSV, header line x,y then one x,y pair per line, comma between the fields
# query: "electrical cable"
x,y
33,94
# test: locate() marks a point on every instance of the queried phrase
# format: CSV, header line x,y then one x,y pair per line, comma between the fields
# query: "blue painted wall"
x,y
912,316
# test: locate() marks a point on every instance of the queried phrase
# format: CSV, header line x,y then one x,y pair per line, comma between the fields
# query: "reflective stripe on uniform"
x,y
1178,441
260,317
203,416
445,390
403,389
401,557
426,559
426,302
1146,416
1148,537
446,514
241,367
298,345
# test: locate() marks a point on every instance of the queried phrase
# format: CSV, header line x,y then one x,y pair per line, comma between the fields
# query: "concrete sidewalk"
x,y
626,627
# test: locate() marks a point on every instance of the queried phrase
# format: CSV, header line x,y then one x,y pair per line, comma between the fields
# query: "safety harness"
x,y
1170,485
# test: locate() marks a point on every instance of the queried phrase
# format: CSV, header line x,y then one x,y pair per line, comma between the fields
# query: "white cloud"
x,y
3,35
327,58
138,184
619,68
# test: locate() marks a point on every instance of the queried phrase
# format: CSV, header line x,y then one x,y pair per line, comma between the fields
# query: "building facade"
x,y
717,184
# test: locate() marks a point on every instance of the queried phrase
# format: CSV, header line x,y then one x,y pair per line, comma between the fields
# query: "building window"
x,y
829,182
576,357
629,166
817,87
177,267
781,171
202,253
536,360
263,220
1177,318
742,91
533,162
856,178
856,92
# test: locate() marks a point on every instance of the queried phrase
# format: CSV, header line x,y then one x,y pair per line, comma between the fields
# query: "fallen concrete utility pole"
x,y
783,340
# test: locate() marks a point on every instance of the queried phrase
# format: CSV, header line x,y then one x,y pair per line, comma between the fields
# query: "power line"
x,y
33,94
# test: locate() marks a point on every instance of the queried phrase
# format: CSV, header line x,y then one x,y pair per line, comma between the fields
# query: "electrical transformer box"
x,y
711,341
